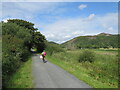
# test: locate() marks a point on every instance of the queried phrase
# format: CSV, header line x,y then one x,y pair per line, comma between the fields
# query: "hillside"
x,y
51,42
102,40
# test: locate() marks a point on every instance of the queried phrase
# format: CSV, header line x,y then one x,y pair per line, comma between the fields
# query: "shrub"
x,y
86,55
18,37
53,48
25,54
10,56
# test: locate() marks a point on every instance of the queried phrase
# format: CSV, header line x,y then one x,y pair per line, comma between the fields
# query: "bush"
x,y
53,48
86,55
14,49
25,54
10,56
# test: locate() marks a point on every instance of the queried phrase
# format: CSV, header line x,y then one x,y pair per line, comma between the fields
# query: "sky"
x,y
62,21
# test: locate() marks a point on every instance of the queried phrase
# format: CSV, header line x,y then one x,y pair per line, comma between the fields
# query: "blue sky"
x,y
62,21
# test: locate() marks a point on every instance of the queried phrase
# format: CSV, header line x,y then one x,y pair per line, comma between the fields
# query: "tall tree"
x,y
37,39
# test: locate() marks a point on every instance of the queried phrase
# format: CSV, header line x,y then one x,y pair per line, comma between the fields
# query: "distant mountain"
x,y
102,40
51,42
104,34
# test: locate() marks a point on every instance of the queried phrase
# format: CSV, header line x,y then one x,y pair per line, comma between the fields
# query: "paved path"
x,y
48,75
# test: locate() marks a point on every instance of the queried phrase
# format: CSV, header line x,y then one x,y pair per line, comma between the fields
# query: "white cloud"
x,y
50,35
67,36
110,28
64,30
91,16
34,6
5,20
78,32
82,6
26,10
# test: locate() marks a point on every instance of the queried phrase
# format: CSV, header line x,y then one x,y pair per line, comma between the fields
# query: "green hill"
x,y
102,40
51,42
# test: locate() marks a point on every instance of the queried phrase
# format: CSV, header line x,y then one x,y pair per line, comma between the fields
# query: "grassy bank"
x,y
22,78
102,73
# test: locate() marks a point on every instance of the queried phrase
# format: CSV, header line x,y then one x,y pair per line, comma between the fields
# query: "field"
x,y
101,73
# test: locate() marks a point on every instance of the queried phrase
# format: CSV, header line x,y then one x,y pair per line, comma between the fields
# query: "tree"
x,y
19,37
23,23
39,41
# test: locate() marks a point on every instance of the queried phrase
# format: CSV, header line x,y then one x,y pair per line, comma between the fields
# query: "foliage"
x,y
23,23
12,51
18,31
39,41
36,40
19,36
52,48
23,77
86,55
103,71
94,42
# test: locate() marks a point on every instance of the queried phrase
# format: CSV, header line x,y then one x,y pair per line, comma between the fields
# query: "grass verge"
x,y
22,78
78,71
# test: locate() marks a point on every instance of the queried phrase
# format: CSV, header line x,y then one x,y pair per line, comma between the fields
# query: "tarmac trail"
x,y
48,75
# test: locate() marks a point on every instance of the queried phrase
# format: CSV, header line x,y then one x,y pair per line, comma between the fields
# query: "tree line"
x,y
92,42
18,37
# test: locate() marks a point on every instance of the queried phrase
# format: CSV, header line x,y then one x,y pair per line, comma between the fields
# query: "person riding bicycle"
x,y
43,55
